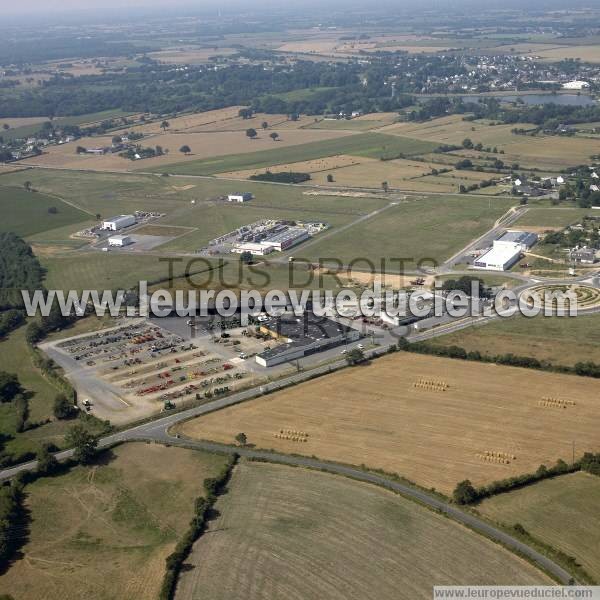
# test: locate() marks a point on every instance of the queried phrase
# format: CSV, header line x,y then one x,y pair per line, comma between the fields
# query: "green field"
x,y
561,512
551,217
427,228
293,533
26,213
17,359
29,130
113,271
104,531
560,340
373,145
103,193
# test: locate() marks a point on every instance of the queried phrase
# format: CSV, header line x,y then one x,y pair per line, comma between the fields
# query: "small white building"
x,y
240,197
118,222
119,241
576,85
560,180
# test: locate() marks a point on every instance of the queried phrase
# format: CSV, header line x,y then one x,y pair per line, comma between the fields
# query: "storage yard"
x,y
133,371
436,432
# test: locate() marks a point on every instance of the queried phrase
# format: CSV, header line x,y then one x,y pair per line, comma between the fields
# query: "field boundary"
x,y
469,520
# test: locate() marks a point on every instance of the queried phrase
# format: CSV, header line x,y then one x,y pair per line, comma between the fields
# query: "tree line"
x,y
203,512
584,369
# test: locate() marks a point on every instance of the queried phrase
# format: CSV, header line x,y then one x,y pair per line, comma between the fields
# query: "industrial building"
x,y
119,241
278,238
506,250
255,249
302,336
240,197
501,257
285,238
118,222
525,239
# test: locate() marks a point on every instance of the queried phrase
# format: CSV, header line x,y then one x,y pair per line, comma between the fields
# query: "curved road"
x,y
412,493
158,431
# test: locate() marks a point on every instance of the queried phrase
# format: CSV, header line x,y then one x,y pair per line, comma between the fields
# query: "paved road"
x,y
428,500
158,431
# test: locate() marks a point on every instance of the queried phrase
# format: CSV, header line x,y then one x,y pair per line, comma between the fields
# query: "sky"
x,y
43,6
55,7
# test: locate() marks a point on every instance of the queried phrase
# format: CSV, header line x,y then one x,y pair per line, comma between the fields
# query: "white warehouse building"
x,y
118,222
256,249
119,241
501,257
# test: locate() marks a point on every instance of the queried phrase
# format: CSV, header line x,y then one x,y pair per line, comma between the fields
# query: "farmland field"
x,y
27,129
113,271
375,416
551,217
549,153
562,341
562,512
189,55
125,515
454,129
425,228
583,52
27,213
204,147
373,145
277,522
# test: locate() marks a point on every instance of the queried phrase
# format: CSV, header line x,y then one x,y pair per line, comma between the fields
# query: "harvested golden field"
x,y
203,145
453,130
10,168
105,531
316,165
374,415
276,523
400,173
584,53
526,48
189,55
275,123
549,152
14,122
220,117
310,46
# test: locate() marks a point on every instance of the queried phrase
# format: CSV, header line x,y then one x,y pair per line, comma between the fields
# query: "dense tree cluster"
x,y
283,177
11,517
